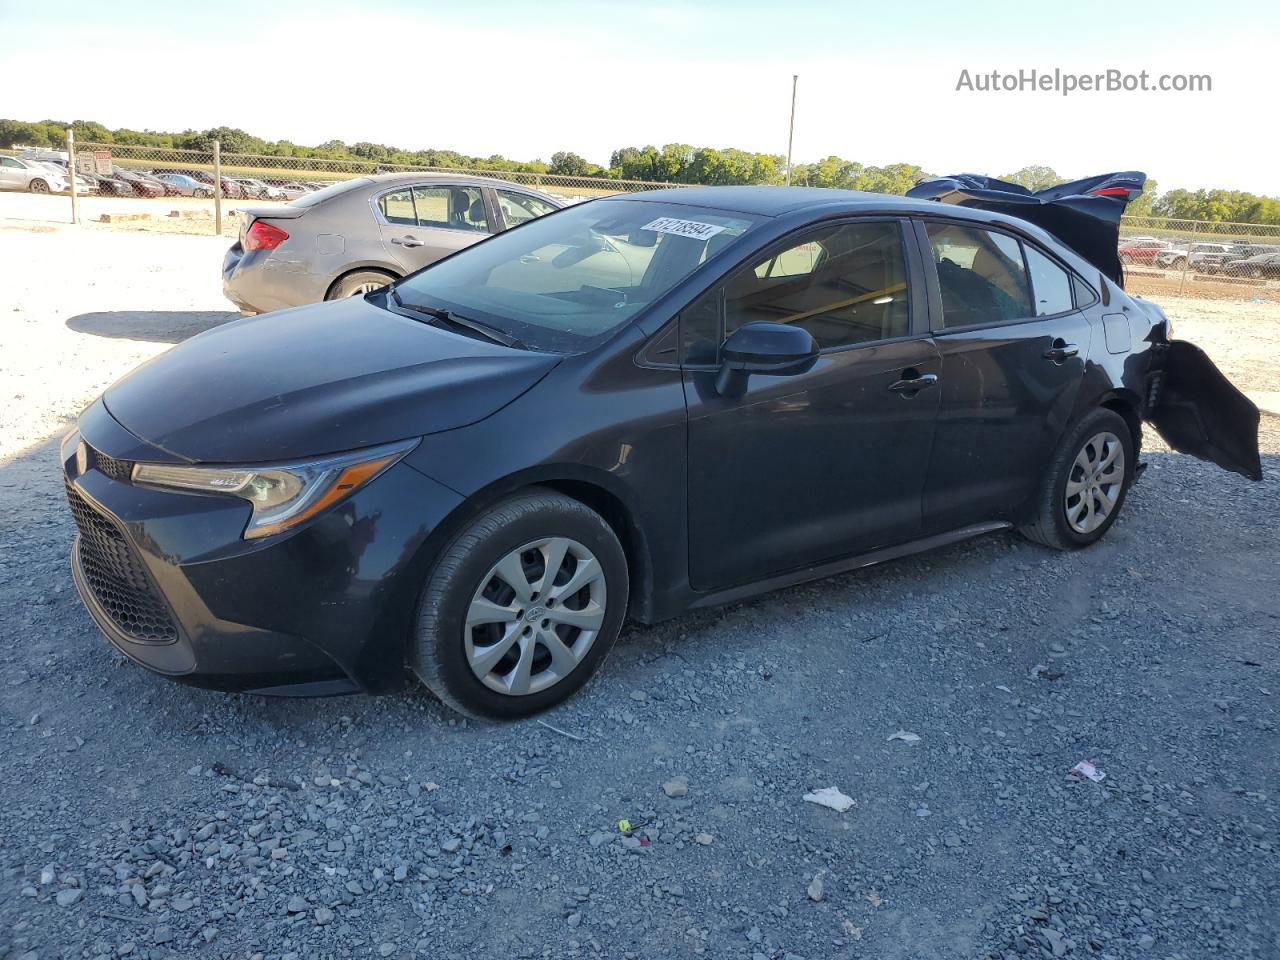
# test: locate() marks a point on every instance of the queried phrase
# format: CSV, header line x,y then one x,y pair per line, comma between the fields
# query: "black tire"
x,y
350,285
439,656
38,186
1049,524
1126,258
1256,273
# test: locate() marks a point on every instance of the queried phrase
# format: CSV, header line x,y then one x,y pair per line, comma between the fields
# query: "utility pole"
x,y
71,175
791,133
217,187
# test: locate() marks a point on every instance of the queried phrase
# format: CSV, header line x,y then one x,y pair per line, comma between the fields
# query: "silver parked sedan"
x,y
358,235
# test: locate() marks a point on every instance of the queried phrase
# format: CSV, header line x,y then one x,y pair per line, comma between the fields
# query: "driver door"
x,y
825,464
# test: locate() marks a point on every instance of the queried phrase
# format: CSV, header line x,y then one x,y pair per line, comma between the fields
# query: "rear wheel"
x,y
1126,258
522,607
1085,484
359,283
1255,272
38,186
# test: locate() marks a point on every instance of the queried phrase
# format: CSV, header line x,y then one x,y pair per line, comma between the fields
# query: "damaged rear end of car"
x,y
1192,405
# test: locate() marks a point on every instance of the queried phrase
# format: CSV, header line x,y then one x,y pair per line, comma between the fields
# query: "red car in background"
x,y
1141,250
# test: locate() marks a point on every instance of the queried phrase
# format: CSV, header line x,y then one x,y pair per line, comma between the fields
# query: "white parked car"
x,y
259,189
1176,257
33,175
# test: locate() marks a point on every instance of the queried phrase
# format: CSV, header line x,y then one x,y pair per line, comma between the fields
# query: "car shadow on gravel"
x,y
157,326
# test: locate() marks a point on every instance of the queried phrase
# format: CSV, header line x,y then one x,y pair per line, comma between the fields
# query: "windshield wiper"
x,y
448,318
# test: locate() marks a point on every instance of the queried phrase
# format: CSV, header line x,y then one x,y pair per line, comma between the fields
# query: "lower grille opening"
x,y
116,577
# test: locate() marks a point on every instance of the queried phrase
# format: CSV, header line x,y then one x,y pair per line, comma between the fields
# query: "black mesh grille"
x,y
115,575
113,468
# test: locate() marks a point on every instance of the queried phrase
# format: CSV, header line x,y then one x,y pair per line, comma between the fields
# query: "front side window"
x,y
565,282
518,208
980,274
845,284
1050,284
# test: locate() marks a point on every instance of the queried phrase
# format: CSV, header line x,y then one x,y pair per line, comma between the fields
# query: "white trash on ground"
x,y
830,797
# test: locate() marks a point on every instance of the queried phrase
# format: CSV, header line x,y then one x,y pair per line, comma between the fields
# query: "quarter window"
x,y
981,275
1050,284
518,208
845,284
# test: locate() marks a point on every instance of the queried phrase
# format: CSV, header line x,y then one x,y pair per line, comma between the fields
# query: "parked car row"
x,y
47,173
1255,260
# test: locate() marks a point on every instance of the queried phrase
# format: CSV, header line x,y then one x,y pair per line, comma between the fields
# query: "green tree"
x,y
566,164
1035,178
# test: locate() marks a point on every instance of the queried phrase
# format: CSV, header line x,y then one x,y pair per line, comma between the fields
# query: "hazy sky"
x,y
877,81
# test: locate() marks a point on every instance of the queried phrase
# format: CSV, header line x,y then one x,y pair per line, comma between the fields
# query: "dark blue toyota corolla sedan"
x,y
628,408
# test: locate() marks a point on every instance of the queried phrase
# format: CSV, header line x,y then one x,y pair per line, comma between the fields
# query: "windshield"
x,y
320,196
565,281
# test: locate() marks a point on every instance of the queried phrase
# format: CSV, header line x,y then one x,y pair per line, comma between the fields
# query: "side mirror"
x,y
775,349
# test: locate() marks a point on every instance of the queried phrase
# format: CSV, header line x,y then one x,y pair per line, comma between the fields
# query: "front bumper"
x,y
168,579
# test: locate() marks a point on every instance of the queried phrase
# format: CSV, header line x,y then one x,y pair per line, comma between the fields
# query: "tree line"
x,y
671,163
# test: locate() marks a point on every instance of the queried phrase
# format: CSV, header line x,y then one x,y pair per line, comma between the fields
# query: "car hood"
x,y
316,379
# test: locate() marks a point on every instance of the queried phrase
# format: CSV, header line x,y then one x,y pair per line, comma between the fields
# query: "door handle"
x,y
1061,351
407,241
909,386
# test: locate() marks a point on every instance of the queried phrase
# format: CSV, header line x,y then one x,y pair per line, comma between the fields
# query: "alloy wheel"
x,y
360,289
39,186
535,615
1095,482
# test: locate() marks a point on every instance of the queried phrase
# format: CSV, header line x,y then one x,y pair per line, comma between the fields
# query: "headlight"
x,y
282,495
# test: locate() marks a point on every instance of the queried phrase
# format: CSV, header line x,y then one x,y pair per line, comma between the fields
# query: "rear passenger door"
x,y
1007,322
422,223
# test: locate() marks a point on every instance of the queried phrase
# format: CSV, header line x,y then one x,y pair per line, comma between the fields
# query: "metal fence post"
x,y
71,174
217,188
1186,261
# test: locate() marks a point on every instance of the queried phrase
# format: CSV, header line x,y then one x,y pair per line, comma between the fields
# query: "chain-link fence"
x,y
199,190
1200,258
208,178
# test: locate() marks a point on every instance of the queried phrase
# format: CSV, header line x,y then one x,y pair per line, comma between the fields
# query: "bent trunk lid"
x,y
1083,214
1198,411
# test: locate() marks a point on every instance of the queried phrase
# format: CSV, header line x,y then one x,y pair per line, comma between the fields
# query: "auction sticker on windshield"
x,y
683,228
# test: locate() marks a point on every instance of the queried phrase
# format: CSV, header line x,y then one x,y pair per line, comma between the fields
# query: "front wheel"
x,y
38,186
1085,483
1126,259
522,607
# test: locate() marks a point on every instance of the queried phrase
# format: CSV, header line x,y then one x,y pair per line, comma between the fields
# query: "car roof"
x,y
393,178
780,201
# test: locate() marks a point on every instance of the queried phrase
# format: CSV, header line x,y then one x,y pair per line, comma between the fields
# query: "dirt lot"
x,y
143,819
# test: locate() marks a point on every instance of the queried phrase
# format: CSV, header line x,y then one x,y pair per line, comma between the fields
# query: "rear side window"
x,y
397,207
981,275
455,208
1050,284
845,284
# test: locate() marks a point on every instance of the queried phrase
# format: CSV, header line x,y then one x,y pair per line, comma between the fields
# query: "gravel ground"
x,y
143,819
